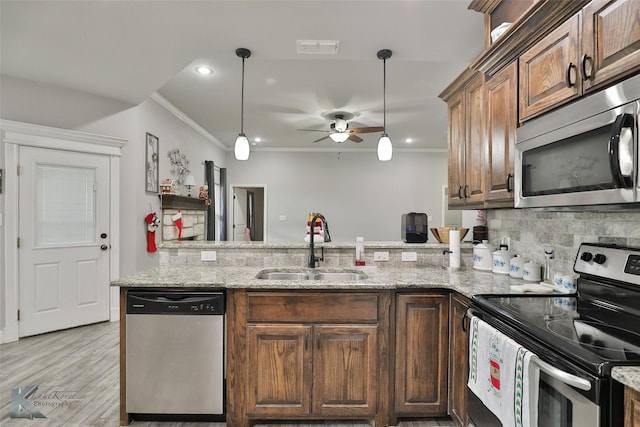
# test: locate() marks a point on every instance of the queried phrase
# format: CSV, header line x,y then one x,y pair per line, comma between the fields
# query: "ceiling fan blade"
x,y
367,129
355,138
320,139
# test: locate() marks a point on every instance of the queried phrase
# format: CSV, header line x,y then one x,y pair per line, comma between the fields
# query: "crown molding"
x,y
167,105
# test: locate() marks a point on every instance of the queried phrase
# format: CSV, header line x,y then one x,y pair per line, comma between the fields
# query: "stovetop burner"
x,y
610,342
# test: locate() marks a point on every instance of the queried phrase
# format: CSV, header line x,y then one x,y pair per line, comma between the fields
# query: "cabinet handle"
x,y
460,192
509,178
463,322
583,63
465,190
570,83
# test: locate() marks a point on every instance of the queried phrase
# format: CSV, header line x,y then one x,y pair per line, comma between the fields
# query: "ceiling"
x,y
129,50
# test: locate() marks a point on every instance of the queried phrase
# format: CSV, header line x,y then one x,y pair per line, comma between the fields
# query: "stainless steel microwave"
x,y
584,155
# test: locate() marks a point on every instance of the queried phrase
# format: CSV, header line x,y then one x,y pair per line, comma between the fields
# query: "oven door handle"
x,y
560,375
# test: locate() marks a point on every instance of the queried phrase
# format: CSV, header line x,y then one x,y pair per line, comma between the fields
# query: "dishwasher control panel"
x,y
176,302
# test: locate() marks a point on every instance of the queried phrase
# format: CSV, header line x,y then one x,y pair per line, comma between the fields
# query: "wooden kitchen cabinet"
x,y
502,120
465,102
299,370
610,41
595,47
631,408
279,363
421,354
459,359
309,355
549,70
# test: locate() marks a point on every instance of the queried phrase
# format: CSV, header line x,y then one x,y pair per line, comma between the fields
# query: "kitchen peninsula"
x,y
388,332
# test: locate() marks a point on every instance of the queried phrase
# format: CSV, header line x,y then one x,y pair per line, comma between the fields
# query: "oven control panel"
x,y
609,261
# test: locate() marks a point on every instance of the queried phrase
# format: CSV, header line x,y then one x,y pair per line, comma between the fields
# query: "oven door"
x,y
559,405
565,395
587,163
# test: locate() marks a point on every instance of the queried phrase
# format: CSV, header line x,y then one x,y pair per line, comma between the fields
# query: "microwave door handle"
x,y
621,162
561,375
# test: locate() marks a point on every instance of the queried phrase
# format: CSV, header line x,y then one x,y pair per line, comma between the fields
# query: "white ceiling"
x,y
127,50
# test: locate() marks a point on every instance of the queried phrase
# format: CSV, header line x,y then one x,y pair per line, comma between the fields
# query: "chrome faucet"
x,y
313,260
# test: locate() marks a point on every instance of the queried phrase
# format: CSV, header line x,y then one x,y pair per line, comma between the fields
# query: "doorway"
x,y
249,216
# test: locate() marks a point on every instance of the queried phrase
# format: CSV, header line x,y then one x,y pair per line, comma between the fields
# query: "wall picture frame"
x,y
151,166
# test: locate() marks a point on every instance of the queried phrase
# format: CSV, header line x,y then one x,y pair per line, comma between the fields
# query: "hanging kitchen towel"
x,y
500,375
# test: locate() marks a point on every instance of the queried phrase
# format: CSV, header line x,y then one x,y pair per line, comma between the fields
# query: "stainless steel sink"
x,y
283,275
340,276
336,276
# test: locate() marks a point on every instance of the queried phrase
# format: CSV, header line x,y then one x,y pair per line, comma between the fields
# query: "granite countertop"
x,y
627,375
467,281
195,244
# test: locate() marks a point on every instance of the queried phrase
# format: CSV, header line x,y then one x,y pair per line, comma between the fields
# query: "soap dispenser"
x,y
360,251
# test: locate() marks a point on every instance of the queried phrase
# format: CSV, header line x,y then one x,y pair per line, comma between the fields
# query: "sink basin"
x,y
340,276
336,276
283,275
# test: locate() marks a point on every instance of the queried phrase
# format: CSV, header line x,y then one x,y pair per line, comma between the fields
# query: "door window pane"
x,y
65,205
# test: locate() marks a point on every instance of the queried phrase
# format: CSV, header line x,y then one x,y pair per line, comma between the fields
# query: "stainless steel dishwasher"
x,y
175,353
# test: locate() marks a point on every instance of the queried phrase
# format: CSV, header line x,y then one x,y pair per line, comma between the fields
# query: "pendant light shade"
x,y
241,147
385,149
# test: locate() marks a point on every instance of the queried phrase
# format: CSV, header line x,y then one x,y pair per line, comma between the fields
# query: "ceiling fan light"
x,y
339,136
385,149
241,147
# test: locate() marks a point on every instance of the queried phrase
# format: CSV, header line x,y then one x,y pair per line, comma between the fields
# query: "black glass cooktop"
x,y
595,335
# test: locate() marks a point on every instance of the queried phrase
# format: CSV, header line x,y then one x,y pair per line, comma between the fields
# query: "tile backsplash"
x,y
531,231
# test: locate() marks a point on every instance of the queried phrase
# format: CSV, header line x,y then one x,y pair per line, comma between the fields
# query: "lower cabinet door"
x,y
345,370
279,364
459,367
422,353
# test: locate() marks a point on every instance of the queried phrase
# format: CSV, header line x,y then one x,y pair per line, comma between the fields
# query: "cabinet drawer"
x,y
309,307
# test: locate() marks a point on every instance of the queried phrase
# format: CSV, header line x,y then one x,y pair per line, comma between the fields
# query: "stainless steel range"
x,y
577,339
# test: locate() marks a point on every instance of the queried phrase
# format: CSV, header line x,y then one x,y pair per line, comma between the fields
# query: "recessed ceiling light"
x,y
408,140
257,139
204,70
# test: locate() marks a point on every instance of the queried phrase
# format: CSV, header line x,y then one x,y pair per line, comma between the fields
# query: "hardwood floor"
x,y
77,375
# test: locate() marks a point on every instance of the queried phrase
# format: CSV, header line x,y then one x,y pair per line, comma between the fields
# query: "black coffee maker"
x,y
414,227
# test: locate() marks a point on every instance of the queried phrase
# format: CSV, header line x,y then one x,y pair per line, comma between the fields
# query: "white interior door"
x,y
64,242
239,213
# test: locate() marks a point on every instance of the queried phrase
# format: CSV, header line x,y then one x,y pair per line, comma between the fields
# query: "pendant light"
x,y
385,149
241,147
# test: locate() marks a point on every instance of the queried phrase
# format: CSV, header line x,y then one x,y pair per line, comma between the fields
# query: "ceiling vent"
x,y
318,47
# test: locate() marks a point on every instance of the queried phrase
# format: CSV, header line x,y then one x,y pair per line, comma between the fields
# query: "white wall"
x,y
357,194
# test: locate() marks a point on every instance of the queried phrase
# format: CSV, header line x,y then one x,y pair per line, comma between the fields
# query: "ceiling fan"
x,y
340,130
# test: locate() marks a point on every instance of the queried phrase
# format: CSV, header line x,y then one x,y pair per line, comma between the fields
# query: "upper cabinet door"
x,y
473,188
610,40
457,146
502,119
549,71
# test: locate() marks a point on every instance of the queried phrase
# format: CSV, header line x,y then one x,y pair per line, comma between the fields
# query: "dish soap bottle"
x,y
360,251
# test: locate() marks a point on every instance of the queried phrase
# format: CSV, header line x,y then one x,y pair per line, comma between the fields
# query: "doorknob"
x,y
104,247
103,235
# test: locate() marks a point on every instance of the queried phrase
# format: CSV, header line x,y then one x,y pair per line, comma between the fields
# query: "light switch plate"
x,y
381,256
207,255
409,256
